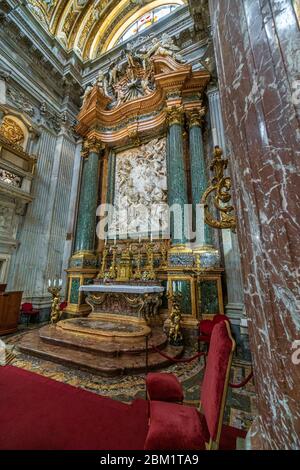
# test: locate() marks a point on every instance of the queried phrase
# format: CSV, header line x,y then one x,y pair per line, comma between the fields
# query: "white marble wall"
x,y
43,231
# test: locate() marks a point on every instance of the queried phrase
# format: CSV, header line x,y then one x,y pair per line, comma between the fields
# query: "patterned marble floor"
x,y
240,409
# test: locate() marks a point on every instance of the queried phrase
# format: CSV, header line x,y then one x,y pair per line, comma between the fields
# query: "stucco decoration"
x,y
141,190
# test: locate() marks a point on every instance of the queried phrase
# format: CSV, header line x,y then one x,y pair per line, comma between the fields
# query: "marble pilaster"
x,y
255,54
45,220
232,261
72,210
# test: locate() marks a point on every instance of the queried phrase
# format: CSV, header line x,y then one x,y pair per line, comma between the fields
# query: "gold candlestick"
x,y
164,254
149,274
138,273
112,274
101,274
55,310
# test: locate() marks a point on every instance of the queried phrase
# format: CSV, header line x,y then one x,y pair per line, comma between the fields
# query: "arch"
x,y
138,15
121,22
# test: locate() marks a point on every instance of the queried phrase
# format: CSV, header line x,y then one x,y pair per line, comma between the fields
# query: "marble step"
x,y
98,364
93,344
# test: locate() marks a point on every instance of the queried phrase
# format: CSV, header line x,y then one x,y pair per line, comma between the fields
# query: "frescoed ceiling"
x,y
91,27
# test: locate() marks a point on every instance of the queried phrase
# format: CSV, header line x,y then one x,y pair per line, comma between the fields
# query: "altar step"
x,y
89,343
97,362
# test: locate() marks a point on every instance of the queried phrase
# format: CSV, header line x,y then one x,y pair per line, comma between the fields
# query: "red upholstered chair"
x,y
178,427
63,305
206,328
29,312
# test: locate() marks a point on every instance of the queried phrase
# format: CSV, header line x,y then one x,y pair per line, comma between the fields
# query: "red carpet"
x,y
40,413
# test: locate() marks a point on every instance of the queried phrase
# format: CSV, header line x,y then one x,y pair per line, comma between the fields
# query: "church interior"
x,y
149,225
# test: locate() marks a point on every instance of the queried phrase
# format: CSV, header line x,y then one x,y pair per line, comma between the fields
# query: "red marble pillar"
x,y
257,54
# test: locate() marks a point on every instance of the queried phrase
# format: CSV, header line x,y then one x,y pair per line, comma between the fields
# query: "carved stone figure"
x,y
101,82
86,94
162,47
113,73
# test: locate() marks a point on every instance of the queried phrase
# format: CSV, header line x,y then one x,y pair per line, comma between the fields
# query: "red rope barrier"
x,y
172,359
196,356
242,384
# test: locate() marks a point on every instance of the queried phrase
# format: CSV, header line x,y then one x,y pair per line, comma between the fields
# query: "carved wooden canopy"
x,y
172,85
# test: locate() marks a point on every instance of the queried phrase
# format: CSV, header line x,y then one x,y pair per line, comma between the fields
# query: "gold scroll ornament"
x,y
221,186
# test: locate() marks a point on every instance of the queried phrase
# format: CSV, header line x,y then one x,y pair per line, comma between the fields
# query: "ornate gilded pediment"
x,y
134,78
131,98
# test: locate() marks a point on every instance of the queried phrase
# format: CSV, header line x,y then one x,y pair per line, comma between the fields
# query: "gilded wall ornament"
x,y
221,186
12,131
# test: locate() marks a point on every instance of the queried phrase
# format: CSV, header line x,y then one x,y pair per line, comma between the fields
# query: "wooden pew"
x,y
10,303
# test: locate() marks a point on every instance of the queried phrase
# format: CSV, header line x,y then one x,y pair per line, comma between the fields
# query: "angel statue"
x,y
101,82
165,47
113,73
86,94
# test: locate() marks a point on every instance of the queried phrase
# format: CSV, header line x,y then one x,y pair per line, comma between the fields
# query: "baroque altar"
x,y
138,303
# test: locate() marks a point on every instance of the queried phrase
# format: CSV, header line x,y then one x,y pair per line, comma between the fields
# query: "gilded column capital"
x,y
92,145
195,117
175,115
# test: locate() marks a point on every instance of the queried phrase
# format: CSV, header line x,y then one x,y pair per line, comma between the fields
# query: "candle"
x,y
200,225
60,282
215,136
115,240
105,243
139,238
49,282
151,238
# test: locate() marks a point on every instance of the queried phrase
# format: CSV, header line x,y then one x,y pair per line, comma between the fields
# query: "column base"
x,y
181,256
206,256
82,271
256,438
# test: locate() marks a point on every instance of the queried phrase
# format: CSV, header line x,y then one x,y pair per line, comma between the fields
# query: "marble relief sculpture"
x,y
141,189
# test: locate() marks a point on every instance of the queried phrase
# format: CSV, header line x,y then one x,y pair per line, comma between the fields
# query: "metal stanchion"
x,y
147,341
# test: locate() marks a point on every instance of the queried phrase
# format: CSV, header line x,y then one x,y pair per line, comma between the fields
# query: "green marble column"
x,y
83,264
86,220
177,184
198,172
